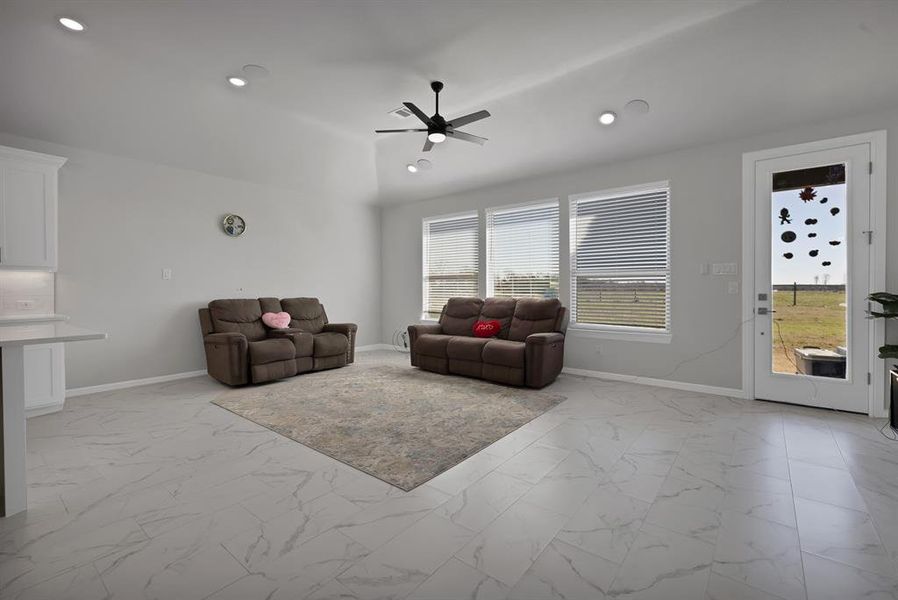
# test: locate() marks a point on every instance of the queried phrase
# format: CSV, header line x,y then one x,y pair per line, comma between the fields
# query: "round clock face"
x,y
233,225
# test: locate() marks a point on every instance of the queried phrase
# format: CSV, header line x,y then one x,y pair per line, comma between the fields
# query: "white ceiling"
x,y
147,79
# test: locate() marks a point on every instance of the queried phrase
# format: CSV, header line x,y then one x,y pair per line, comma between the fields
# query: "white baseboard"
x,y
44,409
664,383
121,385
371,347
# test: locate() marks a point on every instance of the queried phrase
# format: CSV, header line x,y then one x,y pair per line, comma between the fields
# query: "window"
x,y
620,263
450,260
522,251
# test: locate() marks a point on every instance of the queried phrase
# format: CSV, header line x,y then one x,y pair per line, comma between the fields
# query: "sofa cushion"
x,y
466,348
330,344
432,344
533,315
238,316
499,309
269,351
504,352
306,314
459,316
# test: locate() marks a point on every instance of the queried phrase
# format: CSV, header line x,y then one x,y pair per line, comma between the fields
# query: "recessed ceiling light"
x,y
637,107
411,168
256,71
607,118
436,137
71,24
423,164
237,82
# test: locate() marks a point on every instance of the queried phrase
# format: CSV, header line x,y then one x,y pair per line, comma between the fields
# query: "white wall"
x,y
706,205
122,221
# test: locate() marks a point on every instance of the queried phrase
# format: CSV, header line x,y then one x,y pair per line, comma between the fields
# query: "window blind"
x,y
620,262
450,260
522,251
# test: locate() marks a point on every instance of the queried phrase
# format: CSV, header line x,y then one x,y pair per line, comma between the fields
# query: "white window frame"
x,y
618,332
425,317
554,202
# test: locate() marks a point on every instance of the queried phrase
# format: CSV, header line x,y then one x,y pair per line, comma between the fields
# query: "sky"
x,y
802,267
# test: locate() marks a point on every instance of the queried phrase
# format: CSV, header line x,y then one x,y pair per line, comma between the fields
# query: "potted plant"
x,y
889,304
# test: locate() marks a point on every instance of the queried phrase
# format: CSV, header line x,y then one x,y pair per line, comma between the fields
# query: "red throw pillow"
x,y
487,329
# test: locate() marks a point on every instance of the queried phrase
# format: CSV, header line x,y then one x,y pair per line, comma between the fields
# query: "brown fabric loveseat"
x,y
241,349
529,350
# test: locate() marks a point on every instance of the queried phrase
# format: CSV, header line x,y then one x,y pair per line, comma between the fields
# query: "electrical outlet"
x,y
166,273
25,304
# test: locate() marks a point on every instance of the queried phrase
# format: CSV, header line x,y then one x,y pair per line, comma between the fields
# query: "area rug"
x,y
397,423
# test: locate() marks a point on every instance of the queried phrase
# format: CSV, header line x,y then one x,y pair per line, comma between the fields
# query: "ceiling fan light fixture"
x,y
607,117
71,24
436,137
237,81
411,168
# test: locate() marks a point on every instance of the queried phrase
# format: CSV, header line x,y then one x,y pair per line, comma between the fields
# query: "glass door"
x,y
811,279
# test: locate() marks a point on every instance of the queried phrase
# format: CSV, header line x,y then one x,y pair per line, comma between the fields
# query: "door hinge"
x,y
871,167
869,234
869,378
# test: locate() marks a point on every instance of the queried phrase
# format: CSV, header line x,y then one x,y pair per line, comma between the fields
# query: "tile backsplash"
x,y
26,293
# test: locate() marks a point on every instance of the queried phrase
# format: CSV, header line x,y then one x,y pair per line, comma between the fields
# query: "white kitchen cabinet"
x,y
28,205
44,379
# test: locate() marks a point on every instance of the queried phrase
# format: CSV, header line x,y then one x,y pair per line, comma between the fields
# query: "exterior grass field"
x,y
818,319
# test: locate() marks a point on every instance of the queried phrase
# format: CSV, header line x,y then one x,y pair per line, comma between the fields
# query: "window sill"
x,y
663,337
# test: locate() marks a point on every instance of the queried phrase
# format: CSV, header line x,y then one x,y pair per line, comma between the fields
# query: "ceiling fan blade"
x,y
461,135
397,130
427,145
461,121
417,112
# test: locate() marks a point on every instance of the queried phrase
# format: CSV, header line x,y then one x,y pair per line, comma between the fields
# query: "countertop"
x,y
45,333
18,319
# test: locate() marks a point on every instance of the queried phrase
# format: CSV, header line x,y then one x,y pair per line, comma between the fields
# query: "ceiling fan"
x,y
438,128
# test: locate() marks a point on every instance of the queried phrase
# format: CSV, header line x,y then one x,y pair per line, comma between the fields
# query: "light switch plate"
x,y
166,273
724,269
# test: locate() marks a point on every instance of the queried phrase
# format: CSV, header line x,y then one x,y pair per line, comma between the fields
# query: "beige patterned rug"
x,y
397,423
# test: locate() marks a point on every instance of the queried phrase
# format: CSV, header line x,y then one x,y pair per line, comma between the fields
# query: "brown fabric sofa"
x,y
529,350
241,349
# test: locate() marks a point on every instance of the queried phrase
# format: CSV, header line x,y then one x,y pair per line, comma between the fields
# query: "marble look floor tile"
x,y
467,472
828,580
379,523
533,463
35,553
279,536
457,581
606,525
761,554
479,505
161,461
825,484
186,563
664,565
722,588
81,583
695,521
778,508
299,573
397,568
691,491
507,548
564,571
842,535
332,590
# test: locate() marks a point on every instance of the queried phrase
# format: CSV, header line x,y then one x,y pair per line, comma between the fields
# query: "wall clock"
x,y
233,225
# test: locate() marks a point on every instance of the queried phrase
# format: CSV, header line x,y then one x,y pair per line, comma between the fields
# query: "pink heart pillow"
x,y
279,320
